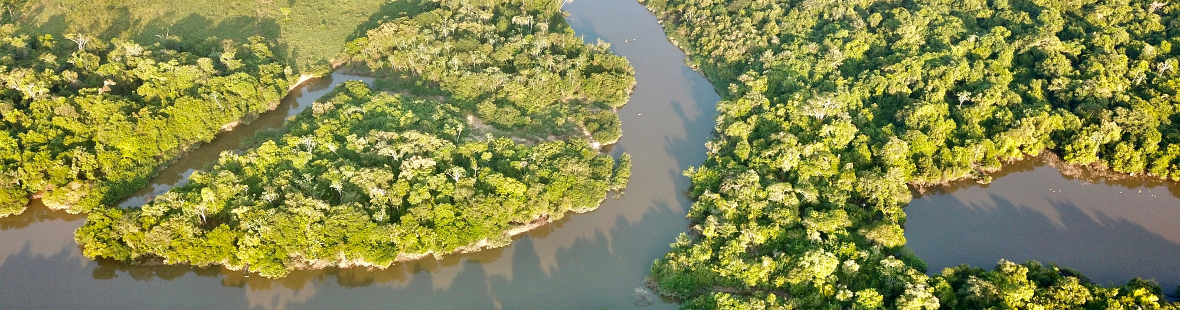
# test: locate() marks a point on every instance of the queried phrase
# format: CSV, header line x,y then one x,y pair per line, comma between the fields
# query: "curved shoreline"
x,y
594,259
298,264
245,120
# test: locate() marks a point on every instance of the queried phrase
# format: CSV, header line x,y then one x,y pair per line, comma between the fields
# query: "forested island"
x,y
363,179
369,177
833,110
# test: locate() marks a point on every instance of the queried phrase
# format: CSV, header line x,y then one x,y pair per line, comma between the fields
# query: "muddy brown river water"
x,y
1110,230
586,261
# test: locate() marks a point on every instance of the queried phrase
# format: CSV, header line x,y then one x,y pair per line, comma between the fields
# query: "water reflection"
x,y
593,260
1112,230
39,232
36,213
65,280
296,101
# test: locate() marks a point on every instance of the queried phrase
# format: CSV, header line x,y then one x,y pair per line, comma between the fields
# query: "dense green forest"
x,y
361,178
370,177
915,93
833,109
518,68
86,121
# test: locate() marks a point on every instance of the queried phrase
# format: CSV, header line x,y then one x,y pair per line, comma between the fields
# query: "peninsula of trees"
x,y
369,177
833,109
517,67
86,122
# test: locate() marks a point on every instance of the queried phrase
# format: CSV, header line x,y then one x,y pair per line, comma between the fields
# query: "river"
x,y
1110,230
585,261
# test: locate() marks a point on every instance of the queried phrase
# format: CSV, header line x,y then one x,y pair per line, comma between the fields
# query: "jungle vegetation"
x,y
517,68
370,177
308,34
85,122
361,178
834,109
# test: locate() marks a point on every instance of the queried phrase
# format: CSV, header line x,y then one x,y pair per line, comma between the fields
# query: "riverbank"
x,y
1111,230
595,259
82,193
1096,172
484,244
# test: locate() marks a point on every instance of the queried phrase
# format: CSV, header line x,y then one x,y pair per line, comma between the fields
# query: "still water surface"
x,y
1111,231
586,261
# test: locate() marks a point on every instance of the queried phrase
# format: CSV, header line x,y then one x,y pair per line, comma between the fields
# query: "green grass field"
x,y
308,33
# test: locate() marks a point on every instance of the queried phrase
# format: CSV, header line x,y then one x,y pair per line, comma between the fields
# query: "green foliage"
x,y
832,109
622,173
85,121
361,178
518,68
309,33
369,178
1035,286
886,234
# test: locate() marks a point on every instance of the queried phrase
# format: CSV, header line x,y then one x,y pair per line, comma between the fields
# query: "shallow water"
x,y
1111,231
585,261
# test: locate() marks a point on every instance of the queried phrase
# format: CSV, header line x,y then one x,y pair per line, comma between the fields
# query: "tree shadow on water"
x,y
946,232
36,213
64,280
596,271
116,21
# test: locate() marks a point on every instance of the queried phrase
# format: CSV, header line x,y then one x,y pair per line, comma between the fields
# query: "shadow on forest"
x,y
1082,174
190,31
119,23
388,11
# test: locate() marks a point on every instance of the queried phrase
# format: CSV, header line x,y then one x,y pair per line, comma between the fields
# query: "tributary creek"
x,y
1111,231
585,261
